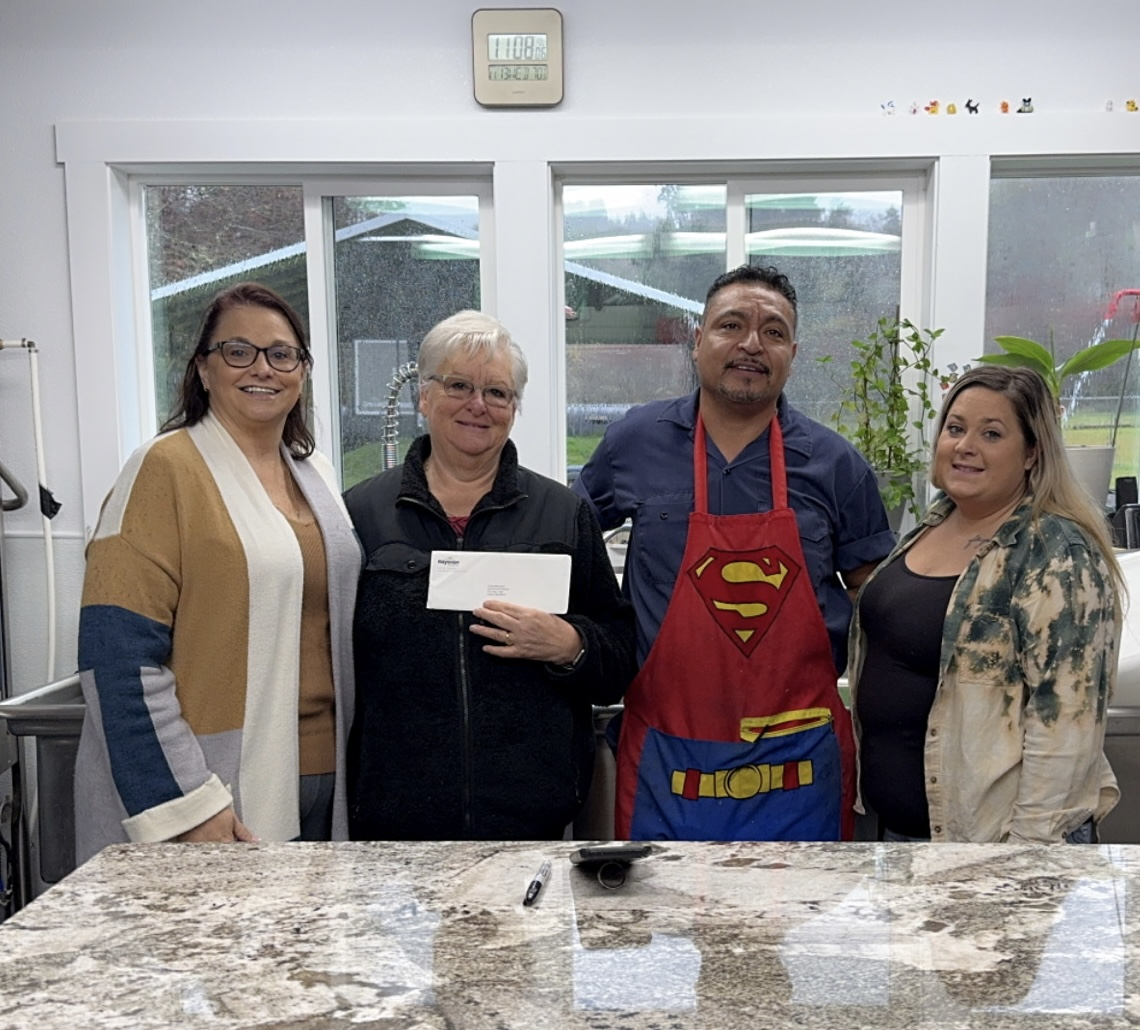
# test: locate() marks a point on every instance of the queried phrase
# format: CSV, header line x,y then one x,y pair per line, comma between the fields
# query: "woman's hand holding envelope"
x,y
513,631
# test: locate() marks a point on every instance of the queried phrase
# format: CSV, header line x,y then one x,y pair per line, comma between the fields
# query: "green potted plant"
x,y
1019,352
887,407
1091,464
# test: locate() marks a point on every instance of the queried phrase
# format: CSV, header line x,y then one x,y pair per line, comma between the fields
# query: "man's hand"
x,y
854,579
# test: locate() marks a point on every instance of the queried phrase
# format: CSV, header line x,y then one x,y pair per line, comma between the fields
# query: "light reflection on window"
x,y
842,253
638,261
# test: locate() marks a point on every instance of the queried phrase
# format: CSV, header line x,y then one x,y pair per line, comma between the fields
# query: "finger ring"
x,y
507,641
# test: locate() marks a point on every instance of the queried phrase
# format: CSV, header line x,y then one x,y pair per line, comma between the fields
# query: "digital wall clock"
x,y
517,56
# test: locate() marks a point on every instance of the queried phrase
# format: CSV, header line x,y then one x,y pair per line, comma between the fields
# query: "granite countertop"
x,y
710,936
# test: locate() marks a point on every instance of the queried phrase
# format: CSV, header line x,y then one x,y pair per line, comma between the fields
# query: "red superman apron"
x,y
734,728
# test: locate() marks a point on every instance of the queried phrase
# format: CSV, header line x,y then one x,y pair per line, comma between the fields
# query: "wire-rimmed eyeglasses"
x,y
242,354
460,389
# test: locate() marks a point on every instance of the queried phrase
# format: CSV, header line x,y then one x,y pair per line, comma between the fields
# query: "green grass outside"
x,y
364,461
579,448
360,464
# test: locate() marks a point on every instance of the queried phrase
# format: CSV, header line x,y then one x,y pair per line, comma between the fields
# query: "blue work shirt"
x,y
643,470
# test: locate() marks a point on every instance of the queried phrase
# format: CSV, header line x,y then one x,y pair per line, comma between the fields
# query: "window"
x,y
373,365
396,258
639,260
203,238
842,253
1060,249
401,264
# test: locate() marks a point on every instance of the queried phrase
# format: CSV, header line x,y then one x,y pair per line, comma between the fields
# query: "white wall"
x,y
375,80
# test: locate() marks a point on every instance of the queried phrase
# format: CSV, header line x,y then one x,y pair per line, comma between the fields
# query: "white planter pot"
x,y
1093,468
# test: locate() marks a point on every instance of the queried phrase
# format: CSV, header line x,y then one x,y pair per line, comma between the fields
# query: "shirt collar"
x,y
682,411
1005,534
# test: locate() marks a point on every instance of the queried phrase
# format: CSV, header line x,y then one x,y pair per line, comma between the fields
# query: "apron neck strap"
x,y
775,460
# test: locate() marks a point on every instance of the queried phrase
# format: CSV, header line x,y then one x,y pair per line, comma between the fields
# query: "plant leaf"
x,y
1036,355
1020,361
1100,355
1009,360
1022,353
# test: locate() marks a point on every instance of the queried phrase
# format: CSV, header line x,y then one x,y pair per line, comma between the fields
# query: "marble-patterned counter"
x,y
710,936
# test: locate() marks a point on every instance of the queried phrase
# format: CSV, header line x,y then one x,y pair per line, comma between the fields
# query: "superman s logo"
x,y
744,591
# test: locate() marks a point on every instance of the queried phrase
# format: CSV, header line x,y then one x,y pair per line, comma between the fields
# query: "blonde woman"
x,y
984,649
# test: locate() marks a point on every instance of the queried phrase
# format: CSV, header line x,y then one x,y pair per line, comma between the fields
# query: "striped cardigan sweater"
x,y
189,644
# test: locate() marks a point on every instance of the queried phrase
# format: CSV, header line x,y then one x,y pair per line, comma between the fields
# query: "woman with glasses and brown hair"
x,y
476,724
215,648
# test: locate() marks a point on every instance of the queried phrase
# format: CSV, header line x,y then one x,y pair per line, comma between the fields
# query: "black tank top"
x,y
902,615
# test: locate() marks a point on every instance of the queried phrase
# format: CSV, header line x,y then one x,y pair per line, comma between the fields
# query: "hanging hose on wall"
x,y
49,506
12,483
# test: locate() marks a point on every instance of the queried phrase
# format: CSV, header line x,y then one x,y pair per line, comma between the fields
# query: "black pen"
x,y
536,884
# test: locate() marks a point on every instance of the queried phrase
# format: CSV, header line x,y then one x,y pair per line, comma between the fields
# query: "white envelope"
x,y
463,580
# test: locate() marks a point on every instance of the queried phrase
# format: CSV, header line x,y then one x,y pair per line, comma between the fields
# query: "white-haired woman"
x,y
984,649
476,724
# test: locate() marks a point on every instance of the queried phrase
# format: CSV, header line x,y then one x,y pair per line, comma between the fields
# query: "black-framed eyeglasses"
x,y
460,389
241,354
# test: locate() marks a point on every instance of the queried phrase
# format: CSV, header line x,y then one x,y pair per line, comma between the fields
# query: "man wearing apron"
x,y
745,515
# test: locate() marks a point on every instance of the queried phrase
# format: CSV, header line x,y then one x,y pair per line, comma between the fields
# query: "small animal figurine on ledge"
x,y
1026,106
971,107
1130,105
1005,107
932,107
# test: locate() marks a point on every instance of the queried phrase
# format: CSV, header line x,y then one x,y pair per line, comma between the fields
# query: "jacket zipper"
x,y
468,749
467,793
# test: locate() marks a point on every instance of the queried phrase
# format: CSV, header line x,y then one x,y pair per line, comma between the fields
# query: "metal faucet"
x,y
390,440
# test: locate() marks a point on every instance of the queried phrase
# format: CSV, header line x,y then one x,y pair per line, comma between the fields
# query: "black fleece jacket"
x,y
448,742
